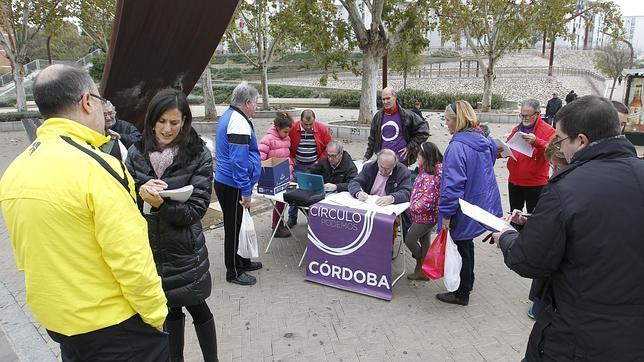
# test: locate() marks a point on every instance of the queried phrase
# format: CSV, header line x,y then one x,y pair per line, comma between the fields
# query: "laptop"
x,y
310,182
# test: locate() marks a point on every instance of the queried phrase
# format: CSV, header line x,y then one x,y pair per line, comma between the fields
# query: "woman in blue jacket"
x,y
468,174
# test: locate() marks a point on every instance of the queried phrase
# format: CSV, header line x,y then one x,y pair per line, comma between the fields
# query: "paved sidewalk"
x,y
286,318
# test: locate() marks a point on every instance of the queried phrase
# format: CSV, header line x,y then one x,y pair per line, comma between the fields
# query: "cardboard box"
x,y
271,190
275,176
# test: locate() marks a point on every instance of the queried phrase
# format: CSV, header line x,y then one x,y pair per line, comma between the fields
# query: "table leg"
x,y
303,255
403,257
274,230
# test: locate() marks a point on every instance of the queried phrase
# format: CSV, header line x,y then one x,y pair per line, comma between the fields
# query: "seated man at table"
x,y
386,177
336,168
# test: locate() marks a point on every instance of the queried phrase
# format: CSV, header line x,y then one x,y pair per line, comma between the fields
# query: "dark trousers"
x,y
200,313
229,198
299,167
520,195
130,340
466,250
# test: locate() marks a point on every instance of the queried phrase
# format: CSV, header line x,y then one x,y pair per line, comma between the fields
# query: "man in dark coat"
x,y
553,106
570,97
397,129
337,168
120,129
585,236
386,178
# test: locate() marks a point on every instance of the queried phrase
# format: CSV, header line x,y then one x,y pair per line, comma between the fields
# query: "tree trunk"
x,y
405,79
552,56
543,44
488,79
612,89
369,82
49,49
586,29
264,85
384,71
208,95
18,72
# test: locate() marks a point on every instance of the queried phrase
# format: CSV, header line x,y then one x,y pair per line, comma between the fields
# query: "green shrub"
x,y
8,102
195,99
344,98
408,97
17,116
98,63
445,53
430,100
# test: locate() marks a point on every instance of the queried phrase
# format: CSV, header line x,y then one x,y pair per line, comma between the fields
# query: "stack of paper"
x,y
520,145
488,220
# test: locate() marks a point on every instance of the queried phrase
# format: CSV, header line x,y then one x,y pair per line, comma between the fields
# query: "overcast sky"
x,y
631,7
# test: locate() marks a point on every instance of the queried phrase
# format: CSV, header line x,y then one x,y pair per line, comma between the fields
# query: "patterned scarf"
x,y
162,160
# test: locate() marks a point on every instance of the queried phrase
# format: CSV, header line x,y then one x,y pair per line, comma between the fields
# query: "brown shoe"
x,y
282,231
418,273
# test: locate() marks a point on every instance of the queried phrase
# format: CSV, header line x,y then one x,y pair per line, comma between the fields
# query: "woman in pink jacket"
x,y
423,206
277,143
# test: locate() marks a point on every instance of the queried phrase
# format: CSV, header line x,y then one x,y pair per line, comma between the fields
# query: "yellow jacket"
x,y
77,234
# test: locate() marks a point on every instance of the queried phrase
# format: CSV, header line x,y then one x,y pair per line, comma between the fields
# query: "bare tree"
x,y
612,60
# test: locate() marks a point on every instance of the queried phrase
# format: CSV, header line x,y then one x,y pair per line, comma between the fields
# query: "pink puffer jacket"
x,y
272,145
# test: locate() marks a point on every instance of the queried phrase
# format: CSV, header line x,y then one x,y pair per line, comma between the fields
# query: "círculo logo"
x,y
357,243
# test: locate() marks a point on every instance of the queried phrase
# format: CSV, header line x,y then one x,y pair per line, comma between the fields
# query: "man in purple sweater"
x,y
397,129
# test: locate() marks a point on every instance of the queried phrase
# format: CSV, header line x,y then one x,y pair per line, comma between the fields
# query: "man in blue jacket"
x,y
237,171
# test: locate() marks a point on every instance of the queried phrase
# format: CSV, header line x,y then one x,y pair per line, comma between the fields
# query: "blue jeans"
x,y
299,167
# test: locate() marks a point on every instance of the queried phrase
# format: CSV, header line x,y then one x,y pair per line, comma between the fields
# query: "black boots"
x,y
207,337
175,330
205,334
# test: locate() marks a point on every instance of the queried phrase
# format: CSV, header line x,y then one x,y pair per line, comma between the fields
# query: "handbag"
x,y
302,198
434,263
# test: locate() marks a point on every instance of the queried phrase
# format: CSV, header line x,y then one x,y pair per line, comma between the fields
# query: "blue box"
x,y
275,176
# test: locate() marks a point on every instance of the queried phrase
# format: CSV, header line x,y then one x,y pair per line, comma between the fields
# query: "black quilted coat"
x,y
174,230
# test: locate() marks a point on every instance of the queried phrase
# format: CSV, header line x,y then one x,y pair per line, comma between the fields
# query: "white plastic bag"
x,y
247,237
453,264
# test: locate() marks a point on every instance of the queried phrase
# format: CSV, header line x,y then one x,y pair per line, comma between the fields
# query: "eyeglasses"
x,y
104,101
333,155
557,143
527,117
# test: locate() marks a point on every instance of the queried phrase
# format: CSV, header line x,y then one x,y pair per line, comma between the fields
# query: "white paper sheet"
x,y
484,217
520,145
181,194
344,199
506,151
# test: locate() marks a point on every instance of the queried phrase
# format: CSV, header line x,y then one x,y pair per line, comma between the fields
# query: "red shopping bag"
x,y
434,263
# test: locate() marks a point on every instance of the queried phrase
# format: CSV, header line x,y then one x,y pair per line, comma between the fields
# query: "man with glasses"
x,y
77,233
337,168
529,174
119,129
585,236
386,177
309,139
397,129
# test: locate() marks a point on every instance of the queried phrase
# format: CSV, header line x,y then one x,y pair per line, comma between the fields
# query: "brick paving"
x,y
285,318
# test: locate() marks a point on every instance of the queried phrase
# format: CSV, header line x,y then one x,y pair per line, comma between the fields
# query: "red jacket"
x,y
321,133
532,171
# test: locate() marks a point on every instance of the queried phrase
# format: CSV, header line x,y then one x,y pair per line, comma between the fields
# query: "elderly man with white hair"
x,y
386,177
237,171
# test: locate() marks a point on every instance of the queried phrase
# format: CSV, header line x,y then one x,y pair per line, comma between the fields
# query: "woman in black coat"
x,y
171,155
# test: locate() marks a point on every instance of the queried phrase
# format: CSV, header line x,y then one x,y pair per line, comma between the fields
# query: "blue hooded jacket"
x,y
468,173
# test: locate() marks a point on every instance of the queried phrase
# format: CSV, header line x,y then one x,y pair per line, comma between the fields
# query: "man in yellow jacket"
x,y
77,234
